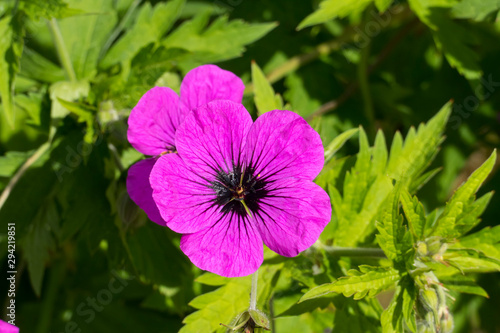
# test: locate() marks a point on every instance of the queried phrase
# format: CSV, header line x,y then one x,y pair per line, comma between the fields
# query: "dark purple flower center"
x,y
238,188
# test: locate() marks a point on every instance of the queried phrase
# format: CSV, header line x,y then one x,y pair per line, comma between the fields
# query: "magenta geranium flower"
x,y
8,328
153,122
235,185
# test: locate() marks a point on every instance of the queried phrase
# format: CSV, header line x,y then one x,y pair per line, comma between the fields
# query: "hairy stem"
x,y
253,291
62,51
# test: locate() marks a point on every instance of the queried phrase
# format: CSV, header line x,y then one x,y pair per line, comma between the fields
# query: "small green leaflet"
x,y
330,9
477,10
451,221
338,142
264,96
415,214
367,282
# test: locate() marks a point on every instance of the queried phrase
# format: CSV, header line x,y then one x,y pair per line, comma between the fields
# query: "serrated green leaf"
x,y
414,212
468,261
449,36
222,40
11,48
379,155
391,227
338,142
477,10
150,25
382,5
408,162
368,281
330,9
487,241
225,303
392,317
264,97
452,221
463,284
409,299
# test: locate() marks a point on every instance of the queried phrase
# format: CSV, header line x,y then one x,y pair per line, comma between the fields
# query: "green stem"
x,y
13,181
354,252
61,49
253,291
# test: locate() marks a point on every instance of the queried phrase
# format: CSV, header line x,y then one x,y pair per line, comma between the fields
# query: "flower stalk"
x,y
253,291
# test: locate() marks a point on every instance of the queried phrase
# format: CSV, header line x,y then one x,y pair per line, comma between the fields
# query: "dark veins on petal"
x,y
238,188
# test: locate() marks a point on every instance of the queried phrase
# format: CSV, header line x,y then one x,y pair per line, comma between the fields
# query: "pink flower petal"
x,y
211,137
140,190
208,83
292,216
8,328
185,200
282,144
154,120
231,247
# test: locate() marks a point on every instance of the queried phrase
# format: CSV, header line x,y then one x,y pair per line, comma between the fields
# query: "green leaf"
x,y
410,161
11,161
331,9
222,40
392,317
468,261
45,9
409,300
364,193
487,241
68,91
368,281
39,243
338,142
11,48
225,303
211,279
454,220
149,27
379,155
36,66
155,269
96,21
391,228
462,284
449,36
264,96
414,212
477,10
383,5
